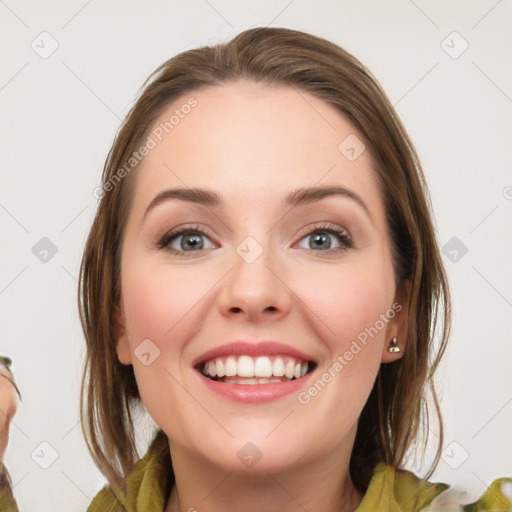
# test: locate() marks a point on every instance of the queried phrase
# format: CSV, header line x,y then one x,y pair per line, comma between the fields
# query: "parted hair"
x,y
397,409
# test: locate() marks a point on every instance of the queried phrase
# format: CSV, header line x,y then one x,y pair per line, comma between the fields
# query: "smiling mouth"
x,y
244,369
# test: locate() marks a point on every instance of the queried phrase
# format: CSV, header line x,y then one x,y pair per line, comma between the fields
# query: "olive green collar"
x,y
389,490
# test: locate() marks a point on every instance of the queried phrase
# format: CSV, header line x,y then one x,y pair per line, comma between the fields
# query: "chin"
x,y
257,452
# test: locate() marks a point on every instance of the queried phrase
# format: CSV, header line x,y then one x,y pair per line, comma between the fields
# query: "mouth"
x,y
249,370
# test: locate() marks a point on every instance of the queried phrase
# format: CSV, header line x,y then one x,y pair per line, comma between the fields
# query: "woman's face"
x,y
260,283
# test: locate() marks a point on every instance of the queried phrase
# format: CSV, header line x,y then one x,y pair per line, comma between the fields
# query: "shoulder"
x,y
497,498
7,501
144,488
399,490
106,501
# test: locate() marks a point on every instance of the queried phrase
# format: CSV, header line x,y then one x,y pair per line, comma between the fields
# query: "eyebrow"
x,y
298,197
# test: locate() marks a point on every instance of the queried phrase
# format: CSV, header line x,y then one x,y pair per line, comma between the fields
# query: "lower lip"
x,y
255,393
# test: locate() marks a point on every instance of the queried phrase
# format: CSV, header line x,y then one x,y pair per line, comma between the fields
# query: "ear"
x,y
120,335
397,325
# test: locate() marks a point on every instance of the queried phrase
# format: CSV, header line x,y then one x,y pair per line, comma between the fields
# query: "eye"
x,y
323,234
185,240
190,240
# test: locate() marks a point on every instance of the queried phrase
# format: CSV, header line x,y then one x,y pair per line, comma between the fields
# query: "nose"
x,y
256,290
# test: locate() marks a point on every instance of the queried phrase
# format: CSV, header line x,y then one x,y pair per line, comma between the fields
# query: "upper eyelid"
x,y
179,231
318,226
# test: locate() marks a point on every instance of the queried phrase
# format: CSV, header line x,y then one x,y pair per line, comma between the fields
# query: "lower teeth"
x,y
255,380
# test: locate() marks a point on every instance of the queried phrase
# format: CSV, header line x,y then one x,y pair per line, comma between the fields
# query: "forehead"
x,y
250,140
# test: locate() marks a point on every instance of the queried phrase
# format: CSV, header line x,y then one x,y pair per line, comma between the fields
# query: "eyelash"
x,y
341,234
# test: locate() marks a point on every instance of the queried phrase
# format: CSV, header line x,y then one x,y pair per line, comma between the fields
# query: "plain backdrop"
x,y
69,73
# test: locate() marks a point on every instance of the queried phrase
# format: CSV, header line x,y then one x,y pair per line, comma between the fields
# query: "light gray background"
x,y
59,116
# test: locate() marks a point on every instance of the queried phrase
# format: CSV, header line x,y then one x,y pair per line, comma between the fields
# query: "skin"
x,y
8,407
239,139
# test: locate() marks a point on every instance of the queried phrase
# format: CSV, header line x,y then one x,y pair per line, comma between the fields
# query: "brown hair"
x,y
397,407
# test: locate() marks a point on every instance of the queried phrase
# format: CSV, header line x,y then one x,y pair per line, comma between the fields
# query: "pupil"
x,y
195,241
321,237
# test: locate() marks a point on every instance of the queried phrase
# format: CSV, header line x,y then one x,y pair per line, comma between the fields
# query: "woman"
x,y
280,163
262,276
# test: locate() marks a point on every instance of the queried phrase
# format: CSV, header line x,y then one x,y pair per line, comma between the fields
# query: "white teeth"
x,y
288,369
255,370
245,380
219,367
263,367
230,366
245,366
278,367
248,381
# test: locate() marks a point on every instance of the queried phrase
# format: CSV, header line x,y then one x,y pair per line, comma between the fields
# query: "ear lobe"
x,y
397,326
121,336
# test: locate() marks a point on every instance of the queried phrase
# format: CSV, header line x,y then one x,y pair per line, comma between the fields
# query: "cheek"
x,y
349,300
159,303
159,306
351,306
162,304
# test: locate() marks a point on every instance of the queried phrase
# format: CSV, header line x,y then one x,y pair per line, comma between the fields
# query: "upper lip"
x,y
261,348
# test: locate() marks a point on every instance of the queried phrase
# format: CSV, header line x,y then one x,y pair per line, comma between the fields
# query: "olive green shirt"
x,y
389,490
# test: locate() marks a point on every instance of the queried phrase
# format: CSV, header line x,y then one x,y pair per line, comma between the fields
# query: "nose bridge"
x,y
252,262
253,287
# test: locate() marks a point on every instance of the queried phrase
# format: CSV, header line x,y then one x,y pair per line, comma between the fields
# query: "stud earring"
x,y
393,347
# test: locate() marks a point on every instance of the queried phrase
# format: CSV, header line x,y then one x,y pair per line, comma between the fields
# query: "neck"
x,y
320,486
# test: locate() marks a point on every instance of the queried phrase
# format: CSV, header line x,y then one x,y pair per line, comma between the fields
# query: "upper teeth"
x,y
262,366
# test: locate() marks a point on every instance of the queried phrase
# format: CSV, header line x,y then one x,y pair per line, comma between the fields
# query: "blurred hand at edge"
x,y
9,395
